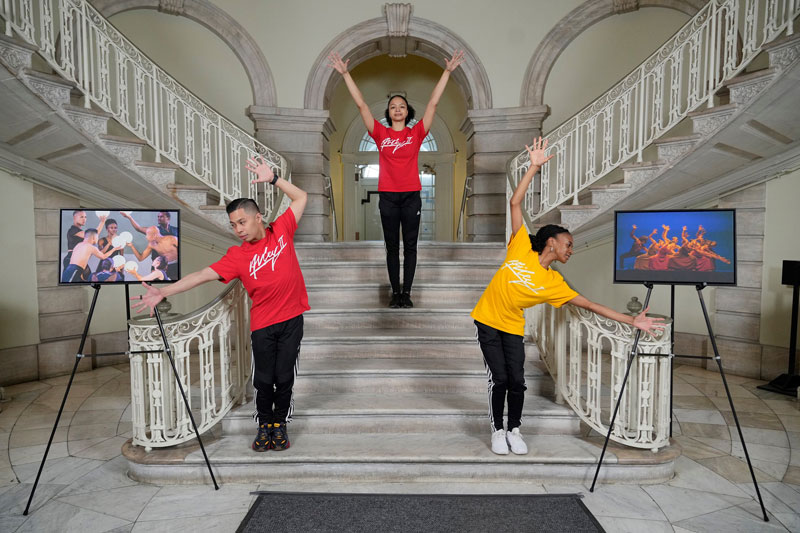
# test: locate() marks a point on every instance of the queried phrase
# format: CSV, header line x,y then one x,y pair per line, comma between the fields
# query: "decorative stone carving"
x,y
93,125
171,7
398,16
14,57
672,151
160,177
126,153
706,124
784,55
56,94
743,93
625,6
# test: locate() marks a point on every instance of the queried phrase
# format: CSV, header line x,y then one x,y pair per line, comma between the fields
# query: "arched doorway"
x,y
361,220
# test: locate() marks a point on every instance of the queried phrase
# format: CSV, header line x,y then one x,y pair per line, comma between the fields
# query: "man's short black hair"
x,y
166,214
78,211
89,232
248,204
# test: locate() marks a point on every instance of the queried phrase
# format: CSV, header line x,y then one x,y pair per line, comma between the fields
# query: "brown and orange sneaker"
x,y
263,440
279,438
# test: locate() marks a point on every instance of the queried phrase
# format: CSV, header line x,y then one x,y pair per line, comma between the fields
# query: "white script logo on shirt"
x,y
523,276
266,258
397,143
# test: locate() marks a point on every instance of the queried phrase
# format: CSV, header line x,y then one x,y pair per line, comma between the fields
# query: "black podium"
x,y
787,383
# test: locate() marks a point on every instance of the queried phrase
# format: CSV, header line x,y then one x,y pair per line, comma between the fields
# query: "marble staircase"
x,y
397,395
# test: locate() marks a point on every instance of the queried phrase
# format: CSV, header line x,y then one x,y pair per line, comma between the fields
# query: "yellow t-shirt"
x,y
521,282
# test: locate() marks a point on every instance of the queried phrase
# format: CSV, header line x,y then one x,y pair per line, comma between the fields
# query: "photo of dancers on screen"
x,y
99,246
675,246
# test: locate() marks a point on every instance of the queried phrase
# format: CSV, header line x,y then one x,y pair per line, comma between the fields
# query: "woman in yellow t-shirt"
x,y
525,279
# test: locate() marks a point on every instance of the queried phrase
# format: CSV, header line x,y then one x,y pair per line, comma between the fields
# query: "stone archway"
x,y
398,34
222,25
571,26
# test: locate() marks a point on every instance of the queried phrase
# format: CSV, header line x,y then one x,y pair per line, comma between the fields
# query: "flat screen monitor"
x,y
690,246
111,246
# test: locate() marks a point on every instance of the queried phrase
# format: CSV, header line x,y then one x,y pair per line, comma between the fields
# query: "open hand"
x,y
537,154
336,63
648,324
261,169
453,63
149,299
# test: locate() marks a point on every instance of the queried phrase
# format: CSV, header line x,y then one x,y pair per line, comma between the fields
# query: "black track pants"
x,y
504,357
275,357
400,209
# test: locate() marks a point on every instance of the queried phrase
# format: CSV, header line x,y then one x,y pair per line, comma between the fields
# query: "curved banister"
x,y
86,49
683,74
211,349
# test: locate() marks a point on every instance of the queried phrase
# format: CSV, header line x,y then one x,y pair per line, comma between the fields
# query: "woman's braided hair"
x,y
539,241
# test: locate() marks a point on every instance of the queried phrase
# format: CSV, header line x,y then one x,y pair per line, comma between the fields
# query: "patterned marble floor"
x,y
84,487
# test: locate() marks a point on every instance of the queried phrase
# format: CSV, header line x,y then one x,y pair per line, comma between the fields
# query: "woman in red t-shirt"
x,y
398,179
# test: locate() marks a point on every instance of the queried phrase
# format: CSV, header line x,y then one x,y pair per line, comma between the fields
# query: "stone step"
x,y
671,149
394,343
419,375
574,216
431,295
744,87
456,412
638,174
398,457
375,271
374,251
608,195
425,319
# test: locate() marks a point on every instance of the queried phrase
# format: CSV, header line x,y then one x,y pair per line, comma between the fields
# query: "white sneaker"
x,y
499,445
514,438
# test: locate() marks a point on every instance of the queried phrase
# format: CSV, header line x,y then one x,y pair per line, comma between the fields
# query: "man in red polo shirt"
x,y
267,265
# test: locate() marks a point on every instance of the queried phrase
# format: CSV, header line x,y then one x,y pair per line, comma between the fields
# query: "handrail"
x,y
211,349
334,227
86,49
587,355
462,215
683,74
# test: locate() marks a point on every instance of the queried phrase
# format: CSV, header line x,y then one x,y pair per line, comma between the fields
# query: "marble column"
x,y
302,136
493,137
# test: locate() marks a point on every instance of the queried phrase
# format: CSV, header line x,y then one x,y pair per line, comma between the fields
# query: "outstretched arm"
x,y
136,226
298,196
430,110
538,158
100,255
641,321
155,295
139,256
336,63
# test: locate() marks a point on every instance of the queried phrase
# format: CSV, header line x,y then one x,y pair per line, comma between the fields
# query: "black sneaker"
x,y
263,440
280,439
396,301
405,301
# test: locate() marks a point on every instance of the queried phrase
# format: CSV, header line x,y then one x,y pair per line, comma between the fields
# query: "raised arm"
x,y
139,256
136,226
450,65
155,295
538,158
298,196
641,321
100,255
336,63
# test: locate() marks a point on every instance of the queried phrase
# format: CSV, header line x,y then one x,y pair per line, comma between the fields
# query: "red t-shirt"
x,y
398,157
269,272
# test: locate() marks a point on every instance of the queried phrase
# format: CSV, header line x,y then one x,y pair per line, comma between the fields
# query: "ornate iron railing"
x,y
714,46
587,356
84,48
462,215
211,348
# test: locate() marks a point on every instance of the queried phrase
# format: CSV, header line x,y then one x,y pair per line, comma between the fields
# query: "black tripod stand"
x,y
80,355
718,359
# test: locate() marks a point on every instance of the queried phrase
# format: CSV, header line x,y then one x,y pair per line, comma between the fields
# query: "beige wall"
x,y
19,304
602,55
780,242
110,312
590,272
